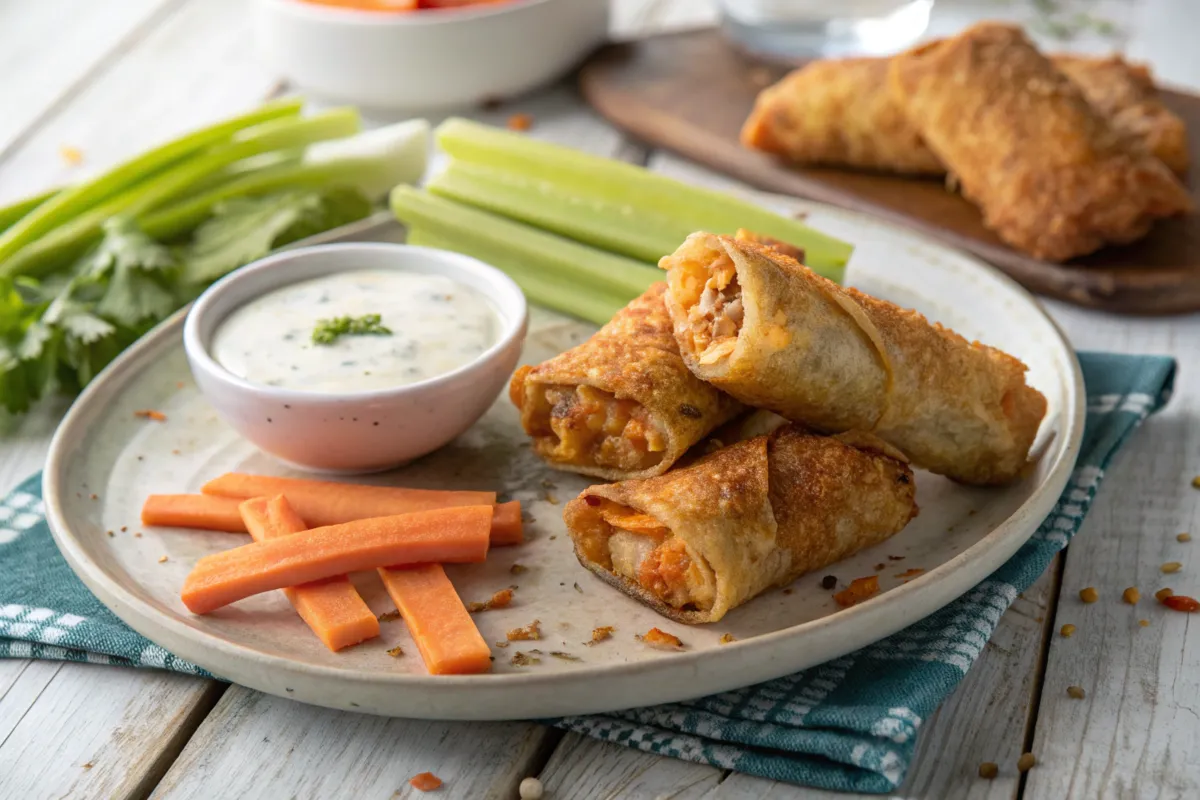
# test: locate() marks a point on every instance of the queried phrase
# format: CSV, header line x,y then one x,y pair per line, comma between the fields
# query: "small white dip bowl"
x,y
355,431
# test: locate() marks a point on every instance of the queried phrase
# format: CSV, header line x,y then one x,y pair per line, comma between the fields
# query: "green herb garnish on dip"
x,y
328,330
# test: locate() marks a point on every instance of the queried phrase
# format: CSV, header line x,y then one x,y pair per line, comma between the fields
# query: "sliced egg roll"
x,y
837,360
1126,95
840,113
698,541
1051,175
622,404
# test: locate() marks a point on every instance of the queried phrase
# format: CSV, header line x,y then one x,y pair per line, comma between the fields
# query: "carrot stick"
x,y
506,524
329,503
193,511
449,534
332,608
445,634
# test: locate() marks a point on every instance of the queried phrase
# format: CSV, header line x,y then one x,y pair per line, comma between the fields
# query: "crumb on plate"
x,y
71,155
909,574
389,616
829,582
660,640
162,559
560,654
860,589
520,122
531,631
726,638
517,569
396,651
521,659
501,599
149,413
600,634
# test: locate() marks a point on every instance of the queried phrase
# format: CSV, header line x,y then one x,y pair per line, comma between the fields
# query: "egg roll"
x,y
1051,176
1125,93
698,541
839,113
622,404
775,335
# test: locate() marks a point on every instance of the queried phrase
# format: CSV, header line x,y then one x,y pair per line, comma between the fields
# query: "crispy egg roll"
x,y
1125,93
698,541
622,404
839,113
1052,177
775,335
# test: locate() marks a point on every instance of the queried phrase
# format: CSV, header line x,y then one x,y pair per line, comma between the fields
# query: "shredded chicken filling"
x,y
594,427
716,313
642,550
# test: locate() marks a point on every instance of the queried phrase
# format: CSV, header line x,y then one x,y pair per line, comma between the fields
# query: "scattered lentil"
x,y
988,770
1145,623
110,533
71,155
162,559
1163,594
531,789
1076,692
1131,595
1067,630
1171,567
1183,537
829,582
1026,762
425,782
726,638
1089,595
1196,482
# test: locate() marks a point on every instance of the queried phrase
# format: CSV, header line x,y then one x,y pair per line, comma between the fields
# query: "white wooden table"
x,y
112,78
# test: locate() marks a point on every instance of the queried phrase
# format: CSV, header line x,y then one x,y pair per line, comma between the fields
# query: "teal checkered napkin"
x,y
849,724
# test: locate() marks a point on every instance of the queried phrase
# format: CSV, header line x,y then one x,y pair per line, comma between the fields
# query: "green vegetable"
x,y
329,331
10,215
524,252
607,192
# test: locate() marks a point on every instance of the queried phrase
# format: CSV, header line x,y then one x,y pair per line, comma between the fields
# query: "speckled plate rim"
x,y
599,688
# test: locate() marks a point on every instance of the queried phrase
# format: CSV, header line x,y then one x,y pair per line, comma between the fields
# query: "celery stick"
x,y
12,214
523,247
627,186
70,202
557,294
66,241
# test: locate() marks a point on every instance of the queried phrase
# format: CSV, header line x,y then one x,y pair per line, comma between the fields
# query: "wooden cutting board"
x,y
689,92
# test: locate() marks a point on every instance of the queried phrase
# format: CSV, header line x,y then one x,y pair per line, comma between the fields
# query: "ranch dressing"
x,y
437,325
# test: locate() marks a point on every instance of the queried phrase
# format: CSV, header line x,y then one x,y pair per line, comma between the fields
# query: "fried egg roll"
x,y
698,541
775,335
1052,177
838,113
1126,95
622,404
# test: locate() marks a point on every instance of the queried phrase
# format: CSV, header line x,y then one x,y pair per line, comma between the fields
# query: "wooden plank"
x,y
81,730
256,745
1134,734
55,60
588,769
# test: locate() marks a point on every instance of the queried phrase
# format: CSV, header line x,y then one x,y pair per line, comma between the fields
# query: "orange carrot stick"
x,y
506,524
332,608
445,634
329,503
193,511
448,534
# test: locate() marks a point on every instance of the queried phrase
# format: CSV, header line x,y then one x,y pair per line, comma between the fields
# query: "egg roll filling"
x,y
642,550
585,425
713,298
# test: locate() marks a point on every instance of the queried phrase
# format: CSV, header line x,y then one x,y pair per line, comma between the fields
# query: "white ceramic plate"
x,y
960,537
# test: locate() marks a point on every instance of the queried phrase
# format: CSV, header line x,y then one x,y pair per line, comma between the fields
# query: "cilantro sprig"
x,y
328,331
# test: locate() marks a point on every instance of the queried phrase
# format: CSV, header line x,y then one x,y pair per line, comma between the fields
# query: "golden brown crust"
x,y
634,357
838,113
759,513
839,360
1125,93
1052,177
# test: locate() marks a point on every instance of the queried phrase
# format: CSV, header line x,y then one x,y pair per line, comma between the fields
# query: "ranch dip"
x,y
436,325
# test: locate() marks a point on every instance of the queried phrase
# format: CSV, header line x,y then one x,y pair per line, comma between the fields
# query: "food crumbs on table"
x,y
600,634
531,789
1145,623
520,659
149,413
1183,537
1026,762
1089,595
520,122
162,559
1171,567
860,589
880,567
388,616
94,496
1076,692
178,384
829,582
909,574
71,155
549,484
501,599
517,569
501,644
895,558
788,590
564,656
1163,594
576,585
1196,482
88,765
175,452
726,638
1131,595
552,499
1181,602
1067,630
396,651
110,533
124,528
137,535
988,770
425,782
659,640
531,631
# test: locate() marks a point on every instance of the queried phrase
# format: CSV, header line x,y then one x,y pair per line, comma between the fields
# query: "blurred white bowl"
x,y
428,59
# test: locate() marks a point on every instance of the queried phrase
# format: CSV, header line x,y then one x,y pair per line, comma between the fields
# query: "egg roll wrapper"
x,y
838,113
750,516
1125,93
1052,177
837,359
631,368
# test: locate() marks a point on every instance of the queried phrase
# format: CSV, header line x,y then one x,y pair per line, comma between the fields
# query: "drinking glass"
x,y
823,28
